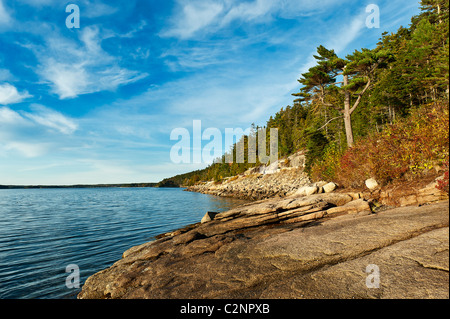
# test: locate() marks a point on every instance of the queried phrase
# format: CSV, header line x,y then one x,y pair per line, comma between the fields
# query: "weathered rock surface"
x,y
407,195
295,247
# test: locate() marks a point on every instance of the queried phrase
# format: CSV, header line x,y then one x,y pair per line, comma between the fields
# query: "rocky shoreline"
x,y
279,179
299,246
256,186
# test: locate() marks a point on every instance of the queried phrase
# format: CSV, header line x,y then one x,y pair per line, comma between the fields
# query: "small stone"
x,y
209,216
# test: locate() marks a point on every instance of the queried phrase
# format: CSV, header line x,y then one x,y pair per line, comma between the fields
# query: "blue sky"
x,y
97,104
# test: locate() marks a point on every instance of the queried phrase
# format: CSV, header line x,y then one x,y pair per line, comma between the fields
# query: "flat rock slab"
x,y
325,258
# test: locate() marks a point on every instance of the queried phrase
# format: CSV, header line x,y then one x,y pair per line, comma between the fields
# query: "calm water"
x,y
42,231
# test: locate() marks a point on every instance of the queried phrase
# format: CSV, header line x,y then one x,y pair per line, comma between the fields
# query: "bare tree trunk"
x,y
439,13
347,116
393,115
390,113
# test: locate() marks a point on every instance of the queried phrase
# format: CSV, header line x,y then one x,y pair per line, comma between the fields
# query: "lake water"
x,y
42,231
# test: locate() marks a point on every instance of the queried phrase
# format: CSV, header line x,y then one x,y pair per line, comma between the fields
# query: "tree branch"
x,y
332,106
359,97
339,117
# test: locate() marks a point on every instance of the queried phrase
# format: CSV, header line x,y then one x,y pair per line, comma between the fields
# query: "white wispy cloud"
x,y
95,9
32,134
5,75
75,68
341,40
208,54
10,95
40,117
51,119
26,149
5,18
248,11
8,116
192,17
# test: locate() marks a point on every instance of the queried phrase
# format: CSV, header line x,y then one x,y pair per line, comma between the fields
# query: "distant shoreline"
x,y
131,185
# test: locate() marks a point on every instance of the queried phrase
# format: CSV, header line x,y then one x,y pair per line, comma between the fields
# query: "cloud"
x,y
32,122
52,119
73,69
211,53
348,34
5,18
95,9
5,75
28,150
91,8
32,134
8,116
10,95
249,11
193,17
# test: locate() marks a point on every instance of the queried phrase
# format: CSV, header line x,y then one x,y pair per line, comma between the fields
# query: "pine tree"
x,y
320,82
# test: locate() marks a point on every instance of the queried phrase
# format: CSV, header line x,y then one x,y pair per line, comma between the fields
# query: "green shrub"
x,y
326,168
317,143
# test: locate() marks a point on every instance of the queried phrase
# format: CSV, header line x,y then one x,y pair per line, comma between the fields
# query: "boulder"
x,y
311,190
300,191
320,183
371,183
328,188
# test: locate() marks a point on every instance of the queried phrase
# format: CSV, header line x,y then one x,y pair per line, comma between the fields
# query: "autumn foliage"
x,y
409,148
